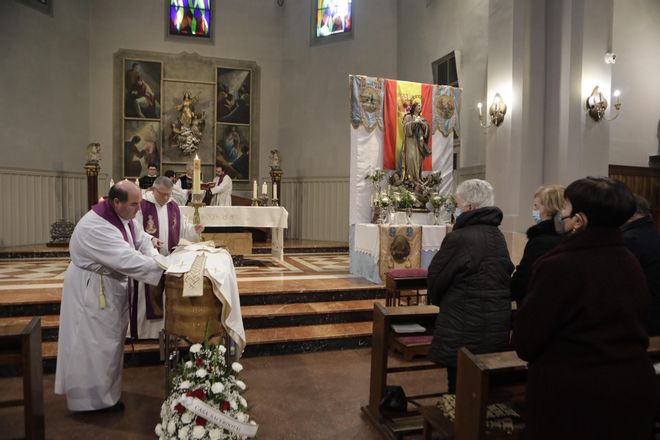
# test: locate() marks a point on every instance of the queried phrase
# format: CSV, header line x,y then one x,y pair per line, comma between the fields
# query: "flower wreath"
x,y
206,401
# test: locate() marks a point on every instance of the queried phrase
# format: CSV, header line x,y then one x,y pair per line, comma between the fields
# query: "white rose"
x,y
215,434
201,373
183,433
217,388
242,417
189,364
159,430
233,405
184,385
171,427
252,422
237,367
222,349
242,400
198,432
195,348
187,417
240,384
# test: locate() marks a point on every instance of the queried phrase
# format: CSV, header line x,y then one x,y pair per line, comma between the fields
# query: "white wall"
x,y
44,117
429,30
635,135
314,104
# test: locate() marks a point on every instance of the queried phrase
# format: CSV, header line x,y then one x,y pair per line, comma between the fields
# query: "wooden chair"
x,y
398,281
21,344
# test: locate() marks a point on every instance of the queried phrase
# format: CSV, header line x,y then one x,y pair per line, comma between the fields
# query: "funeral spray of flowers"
x,y
206,399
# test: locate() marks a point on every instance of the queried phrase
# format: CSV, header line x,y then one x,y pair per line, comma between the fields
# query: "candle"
x,y
137,182
112,183
254,189
275,191
264,189
197,171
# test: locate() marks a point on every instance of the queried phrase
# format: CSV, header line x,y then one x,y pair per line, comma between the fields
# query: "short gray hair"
x,y
163,181
477,192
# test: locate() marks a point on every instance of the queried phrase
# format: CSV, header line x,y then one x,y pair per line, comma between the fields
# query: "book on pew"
x,y
408,328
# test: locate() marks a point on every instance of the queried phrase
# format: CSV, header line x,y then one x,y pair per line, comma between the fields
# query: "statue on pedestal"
x,y
93,153
188,128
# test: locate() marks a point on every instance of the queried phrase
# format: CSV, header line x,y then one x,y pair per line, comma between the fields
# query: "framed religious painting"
x,y
232,150
142,89
141,147
188,121
234,95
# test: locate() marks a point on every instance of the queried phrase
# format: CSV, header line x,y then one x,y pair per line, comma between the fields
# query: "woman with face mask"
x,y
548,201
581,326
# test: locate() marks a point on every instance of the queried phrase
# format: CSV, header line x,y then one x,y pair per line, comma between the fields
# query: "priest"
x,y
108,253
221,191
159,216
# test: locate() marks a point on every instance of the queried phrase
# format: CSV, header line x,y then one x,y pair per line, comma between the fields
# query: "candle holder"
x,y
255,202
197,203
274,201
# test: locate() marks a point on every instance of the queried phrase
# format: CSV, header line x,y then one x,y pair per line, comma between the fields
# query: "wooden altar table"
x,y
274,217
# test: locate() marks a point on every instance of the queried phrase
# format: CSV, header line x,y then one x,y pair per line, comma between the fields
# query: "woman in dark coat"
x,y
469,279
548,201
581,326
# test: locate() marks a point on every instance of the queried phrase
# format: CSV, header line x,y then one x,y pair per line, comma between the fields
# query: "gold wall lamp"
x,y
597,104
496,112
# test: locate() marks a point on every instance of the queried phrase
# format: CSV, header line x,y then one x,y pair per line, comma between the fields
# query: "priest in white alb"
x,y
159,216
108,254
221,191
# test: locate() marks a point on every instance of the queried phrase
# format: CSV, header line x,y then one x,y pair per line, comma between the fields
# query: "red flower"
x,y
200,421
198,393
199,361
224,405
180,408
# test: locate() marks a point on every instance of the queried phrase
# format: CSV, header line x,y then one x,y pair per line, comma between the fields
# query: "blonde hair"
x,y
551,197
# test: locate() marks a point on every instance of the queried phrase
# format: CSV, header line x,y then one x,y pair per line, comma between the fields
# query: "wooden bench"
x,y
21,344
398,281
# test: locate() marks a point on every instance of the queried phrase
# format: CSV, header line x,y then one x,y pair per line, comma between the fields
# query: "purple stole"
x,y
154,294
105,211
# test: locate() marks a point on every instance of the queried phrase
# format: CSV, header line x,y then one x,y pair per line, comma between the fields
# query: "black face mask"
x,y
559,224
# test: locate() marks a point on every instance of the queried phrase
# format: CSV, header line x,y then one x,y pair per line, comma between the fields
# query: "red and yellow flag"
x,y
399,95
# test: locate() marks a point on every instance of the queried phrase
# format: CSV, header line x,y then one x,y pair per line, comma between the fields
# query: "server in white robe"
x,y
159,216
222,189
108,252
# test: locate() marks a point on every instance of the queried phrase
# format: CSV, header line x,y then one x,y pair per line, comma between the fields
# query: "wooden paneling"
x,y
642,181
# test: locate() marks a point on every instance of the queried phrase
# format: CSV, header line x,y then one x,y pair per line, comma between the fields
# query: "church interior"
x,y
295,106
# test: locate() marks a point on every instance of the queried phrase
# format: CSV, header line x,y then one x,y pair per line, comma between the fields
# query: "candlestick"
x,y
197,171
264,188
254,189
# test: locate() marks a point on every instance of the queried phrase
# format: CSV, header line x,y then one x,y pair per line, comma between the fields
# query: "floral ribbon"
x,y
213,415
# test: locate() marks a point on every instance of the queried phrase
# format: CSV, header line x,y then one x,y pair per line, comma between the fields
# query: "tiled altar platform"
x,y
308,302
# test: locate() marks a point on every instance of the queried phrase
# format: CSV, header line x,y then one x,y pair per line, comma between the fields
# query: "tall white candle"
x,y
264,189
197,175
275,196
254,189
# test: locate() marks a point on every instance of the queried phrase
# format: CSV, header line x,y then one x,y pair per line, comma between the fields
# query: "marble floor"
x,y
312,396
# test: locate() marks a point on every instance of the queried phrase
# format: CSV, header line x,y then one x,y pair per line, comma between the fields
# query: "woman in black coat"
x,y
548,201
469,280
581,326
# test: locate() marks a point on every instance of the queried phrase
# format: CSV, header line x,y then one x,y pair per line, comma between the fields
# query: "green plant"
x,y
376,176
405,199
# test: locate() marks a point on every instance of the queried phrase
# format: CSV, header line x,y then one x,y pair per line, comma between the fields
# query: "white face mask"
x,y
536,215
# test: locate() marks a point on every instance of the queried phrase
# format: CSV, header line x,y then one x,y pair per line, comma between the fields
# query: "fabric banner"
x,y
446,108
400,248
366,102
399,97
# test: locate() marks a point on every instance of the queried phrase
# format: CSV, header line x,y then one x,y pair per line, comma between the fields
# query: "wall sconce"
x,y
496,111
597,104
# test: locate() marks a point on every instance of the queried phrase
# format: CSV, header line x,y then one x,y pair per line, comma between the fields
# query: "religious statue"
x,y
93,153
188,128
415,144
275,159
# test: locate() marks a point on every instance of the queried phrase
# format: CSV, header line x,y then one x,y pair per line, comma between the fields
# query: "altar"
x,y
274,217
373,248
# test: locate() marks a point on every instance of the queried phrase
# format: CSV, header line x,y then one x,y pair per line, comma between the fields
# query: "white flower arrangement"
x,y
208,379
383,201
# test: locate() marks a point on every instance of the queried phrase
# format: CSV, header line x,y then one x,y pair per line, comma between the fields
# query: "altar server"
x,y
159,216
222,189
108,252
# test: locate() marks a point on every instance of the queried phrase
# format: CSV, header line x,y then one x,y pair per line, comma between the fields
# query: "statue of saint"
x,y
188,128
275,159
415,144
93,152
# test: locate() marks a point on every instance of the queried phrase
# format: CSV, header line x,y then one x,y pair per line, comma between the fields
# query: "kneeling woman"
x,y
581,326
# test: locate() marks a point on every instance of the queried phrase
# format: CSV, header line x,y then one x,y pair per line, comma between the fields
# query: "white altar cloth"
x,y
274,217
